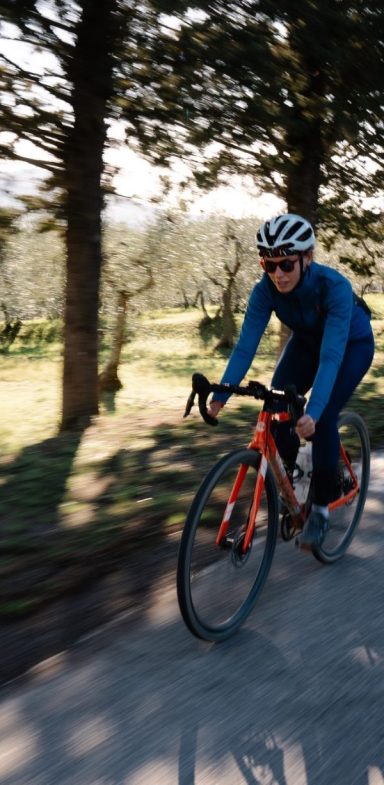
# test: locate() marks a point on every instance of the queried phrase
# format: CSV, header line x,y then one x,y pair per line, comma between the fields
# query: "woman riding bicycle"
x,y
330,349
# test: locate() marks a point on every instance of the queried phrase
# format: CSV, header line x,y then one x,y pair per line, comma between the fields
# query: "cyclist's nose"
x,y
279,273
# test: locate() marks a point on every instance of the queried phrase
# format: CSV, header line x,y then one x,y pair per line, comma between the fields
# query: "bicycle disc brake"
x,y
287,529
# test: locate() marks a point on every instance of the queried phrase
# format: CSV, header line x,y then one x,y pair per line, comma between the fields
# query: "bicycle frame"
x,y
264,443
348,497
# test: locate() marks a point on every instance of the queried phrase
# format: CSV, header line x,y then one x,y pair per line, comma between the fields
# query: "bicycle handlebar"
x,y
203,388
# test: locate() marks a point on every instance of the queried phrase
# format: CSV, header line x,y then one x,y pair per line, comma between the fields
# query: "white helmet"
x,y
284,235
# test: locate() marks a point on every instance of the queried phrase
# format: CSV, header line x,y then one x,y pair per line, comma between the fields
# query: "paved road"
x,y
296,698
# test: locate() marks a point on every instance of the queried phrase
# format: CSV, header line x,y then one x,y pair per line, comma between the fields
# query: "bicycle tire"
x,y
216,587
344,520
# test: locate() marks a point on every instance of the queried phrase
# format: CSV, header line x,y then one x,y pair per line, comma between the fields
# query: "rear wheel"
x,y
218,585
353,480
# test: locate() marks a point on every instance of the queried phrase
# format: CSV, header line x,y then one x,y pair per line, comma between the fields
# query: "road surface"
x,y
295,698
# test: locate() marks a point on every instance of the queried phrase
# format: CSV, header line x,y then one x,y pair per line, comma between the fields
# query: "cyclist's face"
x,y
283,280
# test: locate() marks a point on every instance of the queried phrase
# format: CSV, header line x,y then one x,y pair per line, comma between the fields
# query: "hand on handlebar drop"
x,y
214,408
305,427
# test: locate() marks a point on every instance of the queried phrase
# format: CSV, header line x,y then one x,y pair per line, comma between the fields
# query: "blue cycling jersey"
x,y
322,310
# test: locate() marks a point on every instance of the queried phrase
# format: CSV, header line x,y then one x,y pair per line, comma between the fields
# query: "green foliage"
x,y
364,267
290,92
184,256
362,229
32,275
8,227
41,332
8,334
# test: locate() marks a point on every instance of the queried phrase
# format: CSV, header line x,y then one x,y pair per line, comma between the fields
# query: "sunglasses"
x,y
286,265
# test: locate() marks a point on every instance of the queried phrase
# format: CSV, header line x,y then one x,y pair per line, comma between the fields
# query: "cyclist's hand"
x,y
214,408
305,427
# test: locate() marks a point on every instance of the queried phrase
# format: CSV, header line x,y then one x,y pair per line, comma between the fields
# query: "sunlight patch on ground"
x,y
18,745
375,776
366,656
89,734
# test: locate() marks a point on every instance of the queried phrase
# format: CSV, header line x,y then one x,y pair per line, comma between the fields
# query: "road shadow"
x,y
68,569
290,725
158,706
33,484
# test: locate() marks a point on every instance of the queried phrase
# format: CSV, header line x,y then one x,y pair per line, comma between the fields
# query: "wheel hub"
x,y
239,557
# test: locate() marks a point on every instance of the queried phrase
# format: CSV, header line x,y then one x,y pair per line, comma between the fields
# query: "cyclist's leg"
x,y
297,365
325,453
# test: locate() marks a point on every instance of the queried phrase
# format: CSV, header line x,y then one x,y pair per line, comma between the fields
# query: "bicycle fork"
x,y
259,444
227,542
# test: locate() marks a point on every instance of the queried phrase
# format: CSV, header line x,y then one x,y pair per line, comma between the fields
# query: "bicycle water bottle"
x,y
303,472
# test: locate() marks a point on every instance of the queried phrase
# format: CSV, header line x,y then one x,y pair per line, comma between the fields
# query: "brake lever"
x,y
201,388
189,404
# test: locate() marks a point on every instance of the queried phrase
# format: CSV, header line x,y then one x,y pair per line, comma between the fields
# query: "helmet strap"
x,y
301,262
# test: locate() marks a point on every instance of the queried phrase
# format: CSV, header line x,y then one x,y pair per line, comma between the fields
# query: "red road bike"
x,y
232,527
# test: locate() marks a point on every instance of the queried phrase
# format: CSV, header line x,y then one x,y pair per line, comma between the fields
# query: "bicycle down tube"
x,y
263,443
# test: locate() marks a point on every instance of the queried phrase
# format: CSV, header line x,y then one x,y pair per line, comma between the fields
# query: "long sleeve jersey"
x,y
322,310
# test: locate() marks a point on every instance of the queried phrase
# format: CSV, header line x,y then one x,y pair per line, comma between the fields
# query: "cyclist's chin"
x,y
284,287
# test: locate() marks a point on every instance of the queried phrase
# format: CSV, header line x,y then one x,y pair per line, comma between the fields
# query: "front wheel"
x,y
353,480
217,585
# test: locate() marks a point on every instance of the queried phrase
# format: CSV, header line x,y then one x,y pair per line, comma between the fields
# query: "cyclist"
x,y
330,349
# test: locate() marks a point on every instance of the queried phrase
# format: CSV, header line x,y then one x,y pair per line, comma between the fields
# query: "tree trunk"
x,y
200,296
227,339
302,194
90,73
108,379
304,176
10,330
305,142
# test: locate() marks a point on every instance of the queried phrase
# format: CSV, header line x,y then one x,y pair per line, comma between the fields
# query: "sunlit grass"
x,y
30,397
156,369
